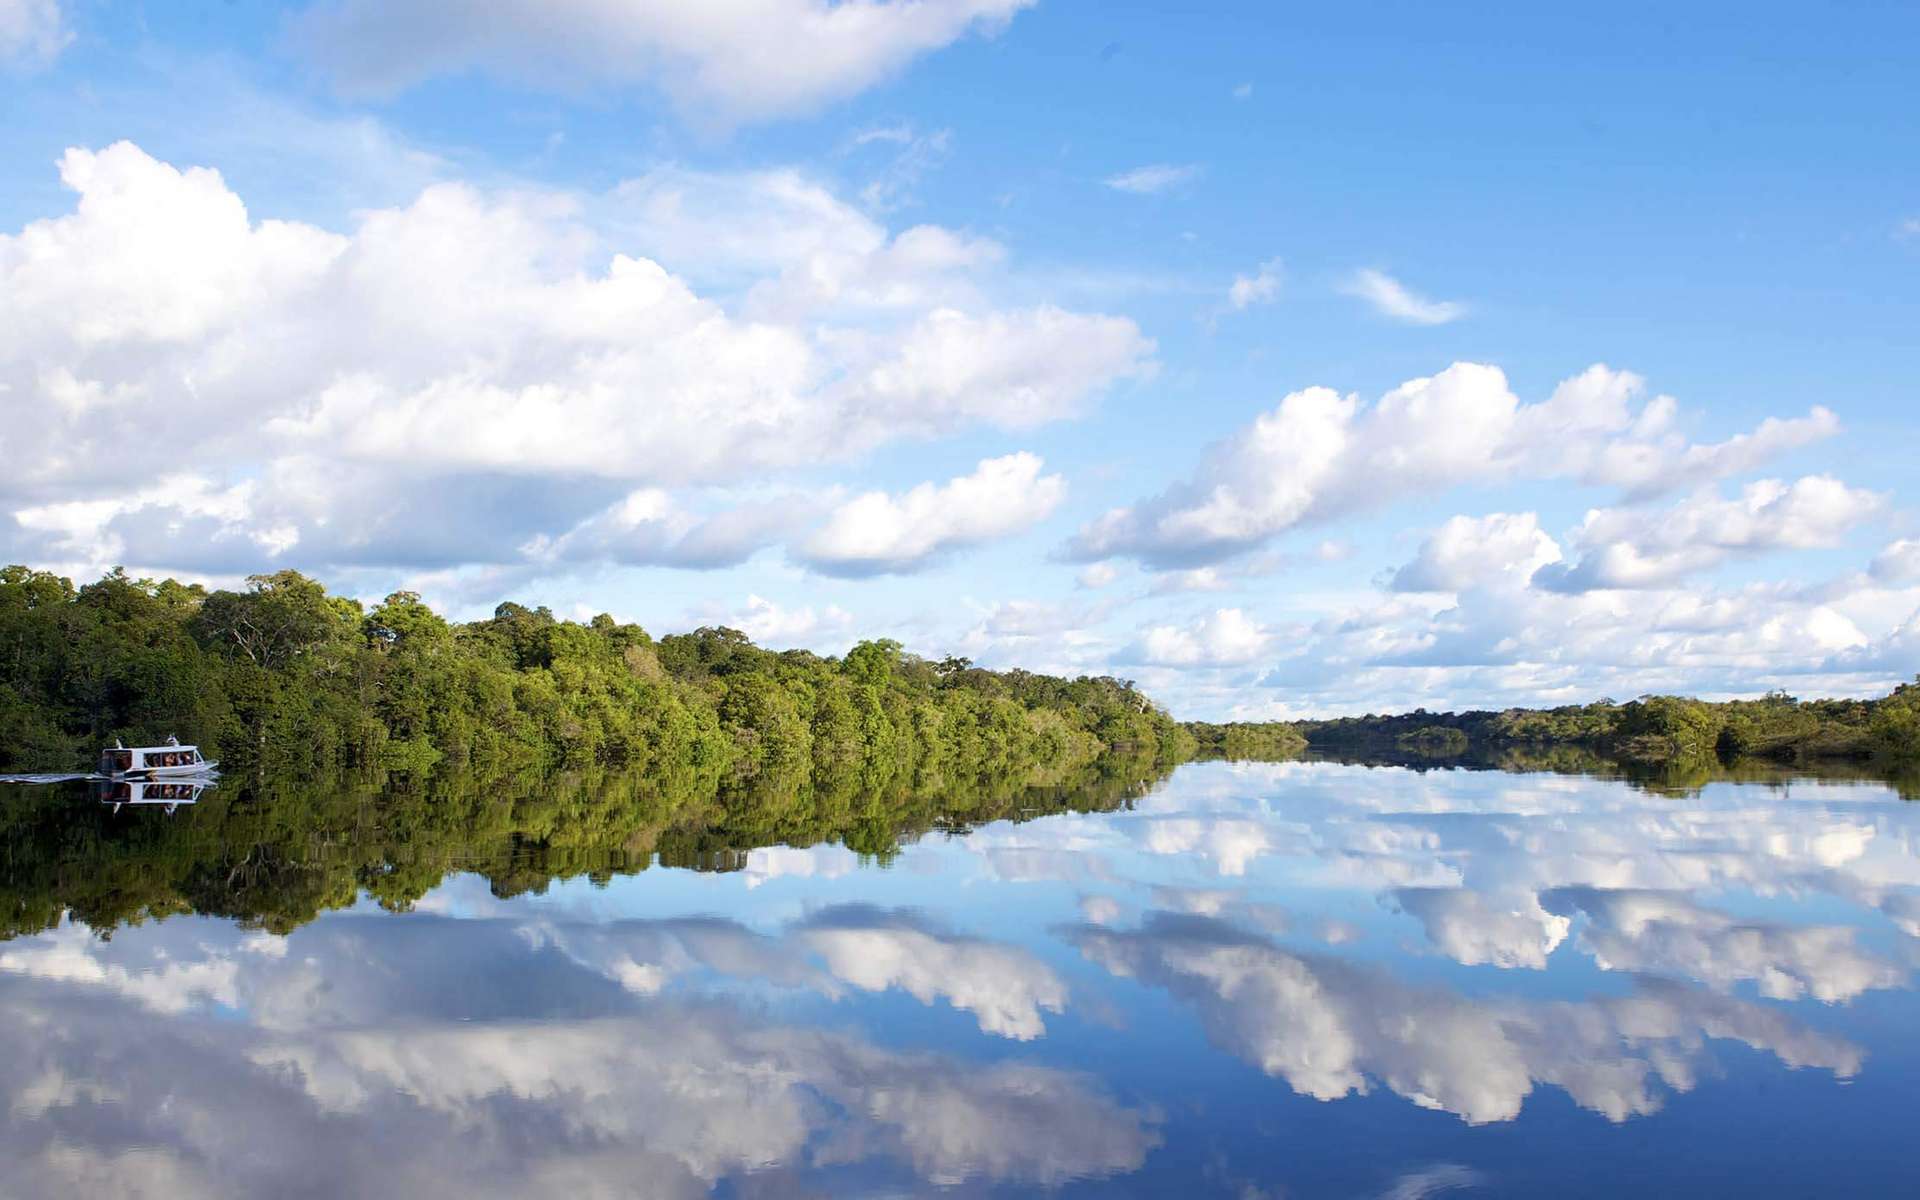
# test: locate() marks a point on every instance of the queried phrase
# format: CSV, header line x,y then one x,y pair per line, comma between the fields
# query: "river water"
x,y
1253,980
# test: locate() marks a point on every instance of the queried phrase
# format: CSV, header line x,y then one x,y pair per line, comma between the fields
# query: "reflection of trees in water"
x,y
1678,777
274,854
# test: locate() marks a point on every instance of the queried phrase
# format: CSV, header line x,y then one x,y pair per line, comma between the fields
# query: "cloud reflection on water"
x,y
1329,1027
486,1057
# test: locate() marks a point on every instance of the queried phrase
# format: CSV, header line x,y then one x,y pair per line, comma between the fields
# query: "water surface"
x,y
1301,979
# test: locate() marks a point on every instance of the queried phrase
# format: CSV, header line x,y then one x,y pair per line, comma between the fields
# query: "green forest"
x,y
285,676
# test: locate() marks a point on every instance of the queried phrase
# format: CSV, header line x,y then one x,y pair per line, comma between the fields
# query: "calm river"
x,y
1246,981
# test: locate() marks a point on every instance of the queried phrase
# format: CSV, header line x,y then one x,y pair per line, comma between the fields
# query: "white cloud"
x,y
720,60
1258,288
875,533
1898,563
1016,370
1391,298
1493,646
1641,548
1224,637
771,624
478,377
1095,576
1199,579
1243,91
649,526
1159,177
32,32
1320,456
1432,1181
1908,228
1469,552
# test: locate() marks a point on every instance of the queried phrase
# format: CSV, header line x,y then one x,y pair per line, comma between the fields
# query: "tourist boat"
x,y
168,792
150,762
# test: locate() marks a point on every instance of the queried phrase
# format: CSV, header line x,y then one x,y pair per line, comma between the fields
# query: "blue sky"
x,y
996,326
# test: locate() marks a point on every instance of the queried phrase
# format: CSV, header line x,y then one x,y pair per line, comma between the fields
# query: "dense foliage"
x,y
285,675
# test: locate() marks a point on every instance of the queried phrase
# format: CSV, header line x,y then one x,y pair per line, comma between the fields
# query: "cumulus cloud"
x,y
1641,548
876,533
1391,298
772,624
1320,456
650,526
32,32
1471,552
792,245
1159,177
1224,637
720,60
1331,1028
473,377
1495,645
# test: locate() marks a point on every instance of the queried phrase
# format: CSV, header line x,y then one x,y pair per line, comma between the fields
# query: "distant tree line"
x,y
1651,729
284,675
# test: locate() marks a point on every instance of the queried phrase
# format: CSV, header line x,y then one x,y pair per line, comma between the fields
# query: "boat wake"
x,y
68,777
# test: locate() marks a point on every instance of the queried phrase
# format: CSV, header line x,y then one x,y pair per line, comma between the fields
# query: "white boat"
x,y
170,793
154,762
